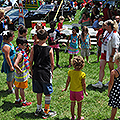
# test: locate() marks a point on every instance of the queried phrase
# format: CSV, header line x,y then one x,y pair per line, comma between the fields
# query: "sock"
x,y
47,104
100,82
39,107
18,99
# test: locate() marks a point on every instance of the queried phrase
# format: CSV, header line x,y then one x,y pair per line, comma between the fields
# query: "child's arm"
x,y
112,74
68,40
89,41
67,83
6,50
31,59
18,59
84,87
79,42
52,60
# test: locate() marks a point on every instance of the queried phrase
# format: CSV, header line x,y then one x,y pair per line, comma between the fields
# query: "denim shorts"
x,y
41,87
10,76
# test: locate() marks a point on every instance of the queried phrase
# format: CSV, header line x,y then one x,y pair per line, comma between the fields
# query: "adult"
x,y
95,11
96,25
106,12
2,28
85,21
70,8
84,10
108,49
9,3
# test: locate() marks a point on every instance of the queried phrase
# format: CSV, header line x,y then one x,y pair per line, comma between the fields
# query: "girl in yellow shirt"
x,y
76,78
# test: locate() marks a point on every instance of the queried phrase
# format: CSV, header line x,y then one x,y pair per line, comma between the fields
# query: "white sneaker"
x,y
70,21
98,85
72,18
106,84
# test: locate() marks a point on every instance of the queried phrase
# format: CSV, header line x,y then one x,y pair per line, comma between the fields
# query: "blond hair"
x,y
2,11
113,23
78,62
117,57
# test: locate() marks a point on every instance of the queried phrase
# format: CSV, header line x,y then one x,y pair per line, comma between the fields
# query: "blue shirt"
x,y
96,24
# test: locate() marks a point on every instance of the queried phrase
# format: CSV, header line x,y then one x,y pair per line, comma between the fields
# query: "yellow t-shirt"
x,y
76,78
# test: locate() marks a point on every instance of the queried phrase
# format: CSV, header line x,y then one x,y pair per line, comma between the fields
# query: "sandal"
x,y
69,66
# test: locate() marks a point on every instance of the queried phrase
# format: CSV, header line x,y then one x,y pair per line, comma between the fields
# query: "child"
x,y
76,78
54,36
114,87
60,24
85,43
22,71
38,27
8,52
42,56
23,33
74,43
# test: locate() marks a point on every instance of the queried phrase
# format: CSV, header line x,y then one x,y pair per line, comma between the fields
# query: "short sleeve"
x,y
83,75
115,40
69,73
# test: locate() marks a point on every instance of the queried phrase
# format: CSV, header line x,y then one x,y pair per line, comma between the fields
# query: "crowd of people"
x,y
16,63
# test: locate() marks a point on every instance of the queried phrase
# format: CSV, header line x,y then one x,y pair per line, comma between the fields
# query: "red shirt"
x,y
60,25
100,31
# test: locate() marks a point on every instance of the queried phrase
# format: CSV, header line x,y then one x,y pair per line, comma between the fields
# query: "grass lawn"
x,y
94,106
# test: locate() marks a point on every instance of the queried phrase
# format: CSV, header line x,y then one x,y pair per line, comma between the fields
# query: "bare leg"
x,y
101,72
17,93
39,98
22,93
111,66
70,59
9,85
113,113
79,109
72,108
87,59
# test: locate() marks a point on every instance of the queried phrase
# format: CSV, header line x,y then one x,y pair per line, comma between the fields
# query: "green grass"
x,y
94,106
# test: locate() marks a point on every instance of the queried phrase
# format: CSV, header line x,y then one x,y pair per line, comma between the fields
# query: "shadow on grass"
x,y
7,106
90,87
62,119
4,93
23,115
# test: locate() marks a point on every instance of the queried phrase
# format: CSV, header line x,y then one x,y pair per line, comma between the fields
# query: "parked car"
x,y
45,12
14,17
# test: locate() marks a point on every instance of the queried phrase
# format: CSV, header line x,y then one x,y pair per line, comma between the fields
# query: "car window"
x,y
44,7
15,12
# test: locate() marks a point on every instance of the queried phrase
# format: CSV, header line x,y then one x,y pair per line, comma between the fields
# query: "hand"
x,y
90,48
12,68
79,47
64,90
86,94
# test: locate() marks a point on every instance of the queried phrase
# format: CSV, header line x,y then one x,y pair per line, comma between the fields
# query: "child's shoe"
x,y
26,104
82,118
50,114
39,112
18,102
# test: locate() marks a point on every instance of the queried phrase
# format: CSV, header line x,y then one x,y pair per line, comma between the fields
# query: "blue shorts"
x,y
10,76
41,87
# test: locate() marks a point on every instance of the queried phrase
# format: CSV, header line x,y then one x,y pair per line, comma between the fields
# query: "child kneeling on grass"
x,y
42,73
22,71
76,78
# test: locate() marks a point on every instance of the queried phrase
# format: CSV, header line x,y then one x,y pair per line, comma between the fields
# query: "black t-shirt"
x,y
42,64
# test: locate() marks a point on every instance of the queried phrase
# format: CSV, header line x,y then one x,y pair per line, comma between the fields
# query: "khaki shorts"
x,y
85,52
